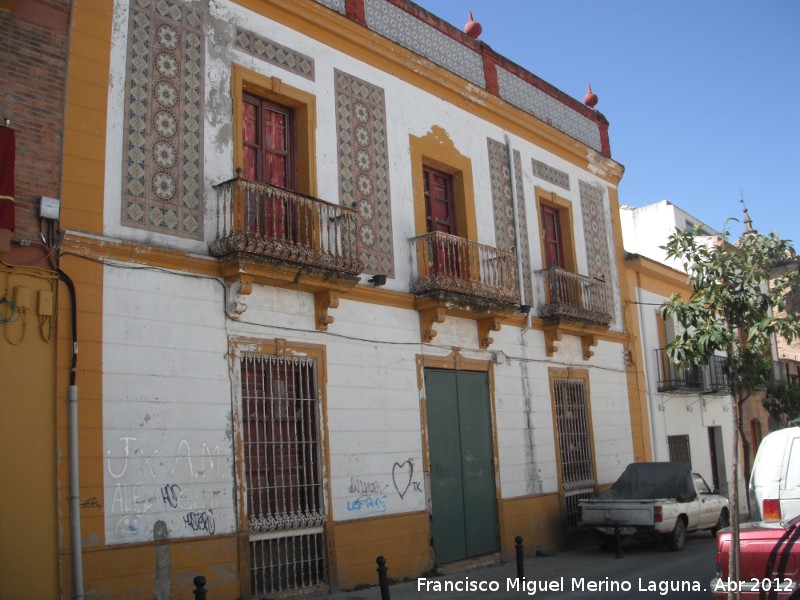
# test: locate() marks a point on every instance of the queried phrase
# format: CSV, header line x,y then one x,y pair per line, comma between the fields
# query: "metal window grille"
x,y
282,473
573,511
575,445
679,450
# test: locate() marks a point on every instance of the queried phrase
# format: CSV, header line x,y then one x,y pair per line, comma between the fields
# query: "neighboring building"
x,y
33,50
689,407
285,374
788,353
647,228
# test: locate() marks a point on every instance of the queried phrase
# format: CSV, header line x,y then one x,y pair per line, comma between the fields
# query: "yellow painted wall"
x,y
537,519
27,431
133,572
403,539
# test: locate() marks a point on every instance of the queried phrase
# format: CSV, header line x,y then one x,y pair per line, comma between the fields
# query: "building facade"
x,y
690,408
347,283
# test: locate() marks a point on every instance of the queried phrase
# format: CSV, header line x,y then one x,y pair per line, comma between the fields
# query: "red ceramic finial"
x,y
473,29
590,99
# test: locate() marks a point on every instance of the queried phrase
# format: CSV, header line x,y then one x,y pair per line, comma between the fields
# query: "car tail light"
x,y
771,510
719,563
657,515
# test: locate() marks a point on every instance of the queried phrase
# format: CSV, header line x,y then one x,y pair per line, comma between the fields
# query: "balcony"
x,y
472,273
711,378
460,277
269,222
272,236
565,296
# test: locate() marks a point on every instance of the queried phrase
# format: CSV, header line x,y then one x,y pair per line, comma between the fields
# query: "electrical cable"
x,y
422,345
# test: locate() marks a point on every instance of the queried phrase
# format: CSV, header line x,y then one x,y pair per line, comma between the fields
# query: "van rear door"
x,y
790,482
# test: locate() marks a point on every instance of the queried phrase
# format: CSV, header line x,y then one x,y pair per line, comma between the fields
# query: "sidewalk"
x,y
553,572
646,570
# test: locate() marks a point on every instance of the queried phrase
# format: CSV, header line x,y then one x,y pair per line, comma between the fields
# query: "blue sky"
x,y
703,96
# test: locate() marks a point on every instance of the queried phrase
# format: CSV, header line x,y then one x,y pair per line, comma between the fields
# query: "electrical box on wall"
x,y
22,297
49,208
45,307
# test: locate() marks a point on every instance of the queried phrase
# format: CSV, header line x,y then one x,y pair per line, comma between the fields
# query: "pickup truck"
x,y
649,499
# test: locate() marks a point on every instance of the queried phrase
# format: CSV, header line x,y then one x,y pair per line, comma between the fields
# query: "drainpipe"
x,y
74,478
517,245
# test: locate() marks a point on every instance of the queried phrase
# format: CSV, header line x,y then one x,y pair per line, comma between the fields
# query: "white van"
x,y
775,478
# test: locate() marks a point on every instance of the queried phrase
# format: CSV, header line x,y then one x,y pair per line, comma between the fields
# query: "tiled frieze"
x,y
408,31
503,208
364,168
529,98
550,174
274,53
596,227
337,5
162,153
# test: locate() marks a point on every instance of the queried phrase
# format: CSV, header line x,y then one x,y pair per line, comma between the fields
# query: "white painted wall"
x,y
168,393
166,406
645,229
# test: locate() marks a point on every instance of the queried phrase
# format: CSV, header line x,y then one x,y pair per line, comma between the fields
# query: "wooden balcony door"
x,y
269,157
440,215
561,291
553,239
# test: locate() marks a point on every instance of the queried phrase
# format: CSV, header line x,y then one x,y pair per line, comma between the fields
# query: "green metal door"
x,y
464,504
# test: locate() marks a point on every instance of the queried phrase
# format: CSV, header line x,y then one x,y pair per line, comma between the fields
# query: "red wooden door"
x,y
439,203
268,157
553,245
440,216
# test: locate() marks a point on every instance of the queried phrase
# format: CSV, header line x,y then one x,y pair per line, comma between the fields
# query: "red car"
x,y
768,561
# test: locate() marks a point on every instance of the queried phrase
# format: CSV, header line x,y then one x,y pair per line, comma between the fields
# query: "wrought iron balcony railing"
x,y
707,379
562,295
271,222
674,378
717,375
451,264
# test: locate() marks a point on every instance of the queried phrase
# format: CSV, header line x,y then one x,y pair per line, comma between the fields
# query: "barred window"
x,y
282,473
679,449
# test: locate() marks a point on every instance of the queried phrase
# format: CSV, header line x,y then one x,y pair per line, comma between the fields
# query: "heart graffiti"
x,y
401,477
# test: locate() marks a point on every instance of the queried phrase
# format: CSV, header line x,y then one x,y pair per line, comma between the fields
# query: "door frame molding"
x,y
455,361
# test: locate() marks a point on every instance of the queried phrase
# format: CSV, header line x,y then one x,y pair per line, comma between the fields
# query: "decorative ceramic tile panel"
x,y
274,53
550,174
503,208
408,31
529,98
162,152
364,168
596,228
337,5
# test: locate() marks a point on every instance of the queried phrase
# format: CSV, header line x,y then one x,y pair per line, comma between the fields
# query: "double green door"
x,y
464,504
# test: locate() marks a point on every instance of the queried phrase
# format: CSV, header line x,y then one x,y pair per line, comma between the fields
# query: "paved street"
x,y
647,570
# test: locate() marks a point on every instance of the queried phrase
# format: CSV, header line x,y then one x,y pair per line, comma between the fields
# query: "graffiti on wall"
x,y
182,481
371,496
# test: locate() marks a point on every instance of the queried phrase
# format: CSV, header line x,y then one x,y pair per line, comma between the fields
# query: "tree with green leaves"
x,y
783,401
738,302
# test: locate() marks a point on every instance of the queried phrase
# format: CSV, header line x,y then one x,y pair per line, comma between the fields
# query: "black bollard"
x,y
520,548
200,588
383,579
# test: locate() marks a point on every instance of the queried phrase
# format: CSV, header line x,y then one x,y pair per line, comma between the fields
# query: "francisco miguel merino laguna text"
x,y
574,584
